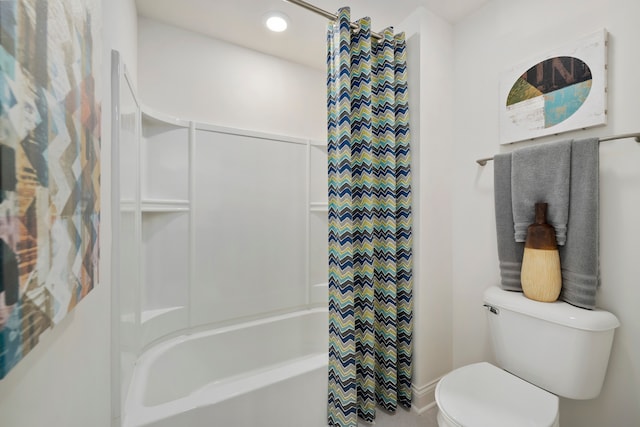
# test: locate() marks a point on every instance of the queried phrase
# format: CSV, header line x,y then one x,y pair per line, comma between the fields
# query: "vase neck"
x,y
541,213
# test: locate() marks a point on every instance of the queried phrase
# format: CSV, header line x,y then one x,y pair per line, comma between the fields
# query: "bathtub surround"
x,y
182,272
370,260
187,273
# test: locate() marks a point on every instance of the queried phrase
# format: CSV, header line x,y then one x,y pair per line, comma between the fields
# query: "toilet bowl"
x,y
483,395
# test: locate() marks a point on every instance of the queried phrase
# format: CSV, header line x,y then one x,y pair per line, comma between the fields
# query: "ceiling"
x,y
241,21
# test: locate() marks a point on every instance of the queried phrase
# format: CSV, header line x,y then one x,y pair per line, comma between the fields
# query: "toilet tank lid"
x,y
556,312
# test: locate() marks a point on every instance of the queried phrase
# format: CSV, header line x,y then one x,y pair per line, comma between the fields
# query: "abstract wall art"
x,y
49,166
561,91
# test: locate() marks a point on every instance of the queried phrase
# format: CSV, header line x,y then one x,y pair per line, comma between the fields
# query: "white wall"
x,y
194,77
430,65
65,380
502,34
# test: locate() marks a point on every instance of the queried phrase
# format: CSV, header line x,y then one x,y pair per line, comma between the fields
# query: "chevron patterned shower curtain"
x,y
370,261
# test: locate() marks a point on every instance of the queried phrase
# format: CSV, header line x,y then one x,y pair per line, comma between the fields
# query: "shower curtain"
x,y
370,261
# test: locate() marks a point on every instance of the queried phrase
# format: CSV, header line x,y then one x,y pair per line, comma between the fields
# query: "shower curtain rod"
x,y
329,15
484,161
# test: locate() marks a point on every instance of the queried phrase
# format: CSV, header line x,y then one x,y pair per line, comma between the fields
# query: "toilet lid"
x,y
482,395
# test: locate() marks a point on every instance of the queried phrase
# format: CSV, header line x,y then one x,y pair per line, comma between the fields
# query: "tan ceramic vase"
x,y
541,275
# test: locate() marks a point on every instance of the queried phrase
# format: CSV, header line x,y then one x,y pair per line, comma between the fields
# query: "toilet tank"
x,y
556,346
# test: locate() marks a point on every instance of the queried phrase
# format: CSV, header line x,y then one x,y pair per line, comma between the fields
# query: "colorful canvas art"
x,y
49,166
564,91
557,87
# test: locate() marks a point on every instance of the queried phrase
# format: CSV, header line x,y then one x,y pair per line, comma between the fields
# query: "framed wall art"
x,y
562,90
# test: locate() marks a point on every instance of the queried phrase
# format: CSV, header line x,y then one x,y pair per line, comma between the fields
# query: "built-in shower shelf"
x,y
160,322
319,207
319,294
159,206
156,206
149,116
147,315
127,205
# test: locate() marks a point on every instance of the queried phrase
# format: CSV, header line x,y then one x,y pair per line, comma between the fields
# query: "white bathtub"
x,y
269,372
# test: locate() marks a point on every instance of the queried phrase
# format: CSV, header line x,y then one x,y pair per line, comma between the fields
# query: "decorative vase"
x,y
541,275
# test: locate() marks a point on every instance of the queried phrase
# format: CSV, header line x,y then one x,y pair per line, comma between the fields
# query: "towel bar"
x,y
636,136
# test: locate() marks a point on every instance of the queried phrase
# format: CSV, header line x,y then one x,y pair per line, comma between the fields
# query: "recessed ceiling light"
x,y
276,21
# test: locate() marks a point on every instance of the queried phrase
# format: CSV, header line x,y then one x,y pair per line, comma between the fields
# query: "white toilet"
x,y
544,350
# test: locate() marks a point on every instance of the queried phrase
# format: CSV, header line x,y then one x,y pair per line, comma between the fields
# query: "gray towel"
x,y
579,258
541,173
509,251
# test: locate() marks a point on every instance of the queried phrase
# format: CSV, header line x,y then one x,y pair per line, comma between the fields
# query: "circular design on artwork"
x,y
549,93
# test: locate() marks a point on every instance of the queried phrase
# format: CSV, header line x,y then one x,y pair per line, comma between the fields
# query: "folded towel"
x,y
579,258
541,173
509,251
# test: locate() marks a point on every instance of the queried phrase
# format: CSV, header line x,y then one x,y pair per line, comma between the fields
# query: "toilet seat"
x,y
482,395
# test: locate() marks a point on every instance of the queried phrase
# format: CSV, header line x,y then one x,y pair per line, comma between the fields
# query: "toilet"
x,y
543,351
